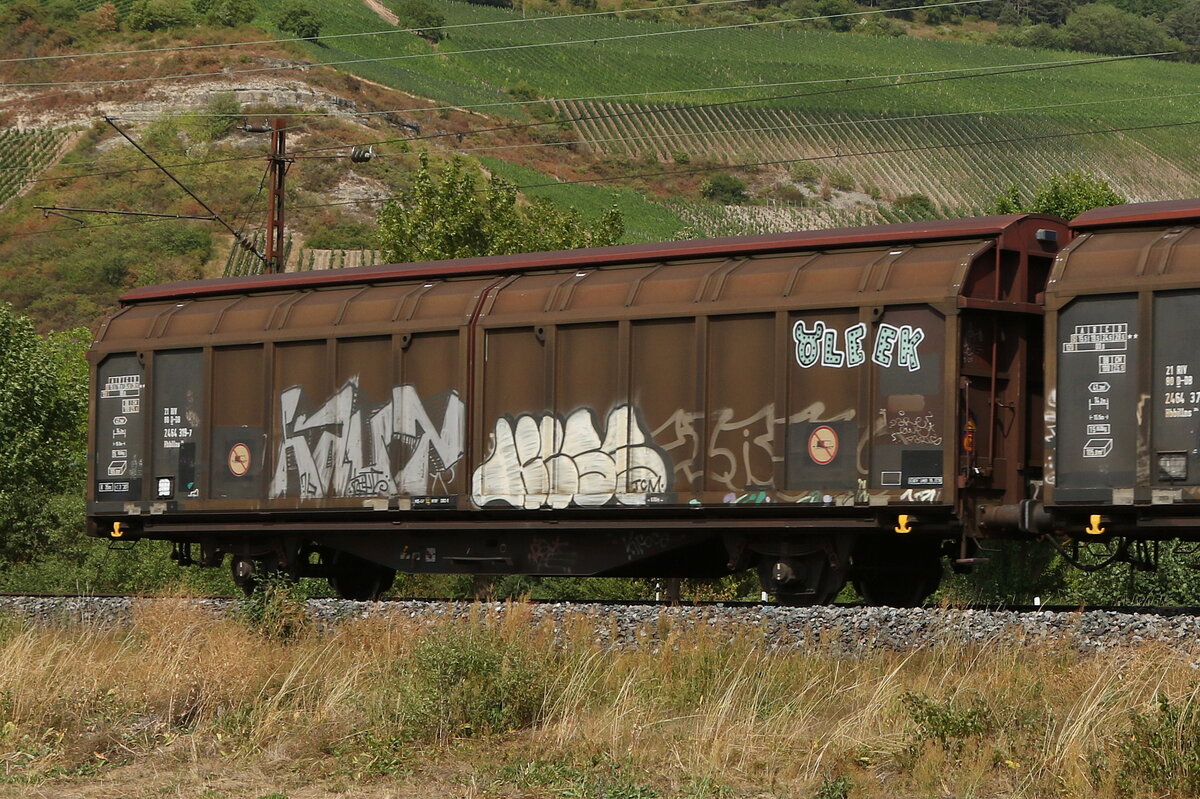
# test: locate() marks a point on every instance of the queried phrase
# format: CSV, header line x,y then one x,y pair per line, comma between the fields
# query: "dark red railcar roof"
x,y
1158,213
908,232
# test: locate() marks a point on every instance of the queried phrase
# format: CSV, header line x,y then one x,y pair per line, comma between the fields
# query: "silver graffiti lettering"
x,y
680,436
347,449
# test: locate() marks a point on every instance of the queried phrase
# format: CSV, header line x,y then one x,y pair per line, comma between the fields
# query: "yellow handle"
x,y
117,532
1094,528
903,526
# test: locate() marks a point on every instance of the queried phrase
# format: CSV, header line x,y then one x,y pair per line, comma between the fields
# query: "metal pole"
x,y
275,241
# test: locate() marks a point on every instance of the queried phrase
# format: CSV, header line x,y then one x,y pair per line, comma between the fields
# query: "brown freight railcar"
x,y
1123,414
817,405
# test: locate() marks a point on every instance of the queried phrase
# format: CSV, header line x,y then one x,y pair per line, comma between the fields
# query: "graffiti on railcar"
x,y
911,428
734,444
545,460
349,447
826,346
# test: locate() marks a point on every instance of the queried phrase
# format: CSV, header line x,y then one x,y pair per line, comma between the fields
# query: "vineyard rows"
x,y
933,156
461,72
709,220
816,107
123,6
241,261
24,153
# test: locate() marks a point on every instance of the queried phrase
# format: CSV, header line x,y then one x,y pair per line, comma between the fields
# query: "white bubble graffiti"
x,y
540,461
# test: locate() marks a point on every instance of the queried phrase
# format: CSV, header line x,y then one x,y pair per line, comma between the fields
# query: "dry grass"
x,y
494,707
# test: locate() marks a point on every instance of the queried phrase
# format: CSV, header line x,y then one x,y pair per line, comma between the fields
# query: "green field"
x,y
829,118
644,220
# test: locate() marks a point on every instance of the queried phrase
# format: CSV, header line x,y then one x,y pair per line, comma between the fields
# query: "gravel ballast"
x,y
849,629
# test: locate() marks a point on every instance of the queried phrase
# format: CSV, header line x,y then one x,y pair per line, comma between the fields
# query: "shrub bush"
x,y
916,206
153,15
421,17
467,681
299,20
724,188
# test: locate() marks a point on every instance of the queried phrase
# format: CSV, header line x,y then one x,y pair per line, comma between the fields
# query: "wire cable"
x,y
497,49
801,127
1036,67
332,36
952,76
779,161
702,169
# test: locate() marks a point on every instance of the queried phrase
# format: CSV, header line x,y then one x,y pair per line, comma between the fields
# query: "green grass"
x,y
644,220
728,57
1142,164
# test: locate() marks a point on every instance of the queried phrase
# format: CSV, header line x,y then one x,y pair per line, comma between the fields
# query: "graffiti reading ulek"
x,y
347,448
893,345
540,461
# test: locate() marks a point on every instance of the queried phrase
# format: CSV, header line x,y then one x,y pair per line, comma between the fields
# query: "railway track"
x,y
850,629
1151,610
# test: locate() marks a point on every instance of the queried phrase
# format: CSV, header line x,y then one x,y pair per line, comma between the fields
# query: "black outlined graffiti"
x,y
545,461
348,448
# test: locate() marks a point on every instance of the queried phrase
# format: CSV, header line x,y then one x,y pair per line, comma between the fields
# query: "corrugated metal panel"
x,y
911,232
1125,259
1159,213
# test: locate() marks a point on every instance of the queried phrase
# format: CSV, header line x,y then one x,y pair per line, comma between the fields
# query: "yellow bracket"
x,y
117,532
903,526
1094,528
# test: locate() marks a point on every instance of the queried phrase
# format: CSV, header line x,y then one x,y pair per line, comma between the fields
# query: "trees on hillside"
x,y
43,433
451,216
298,19
421,17
1101,28
1184,23
1066,195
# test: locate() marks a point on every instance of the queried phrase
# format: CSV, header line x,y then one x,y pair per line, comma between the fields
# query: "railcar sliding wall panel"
x,y
1175,386
429,404
910,425
741,406
178,411
518,469
120,429
1097,398
306,463
238,445
826,366
664,393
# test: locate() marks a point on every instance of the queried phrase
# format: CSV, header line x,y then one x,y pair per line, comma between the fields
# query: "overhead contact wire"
x,y
954,75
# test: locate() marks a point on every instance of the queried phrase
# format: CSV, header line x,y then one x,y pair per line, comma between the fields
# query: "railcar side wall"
x,y
1123,418
787,392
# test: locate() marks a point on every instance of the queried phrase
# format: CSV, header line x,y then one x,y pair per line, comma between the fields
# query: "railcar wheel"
x,y
797,581
899,573
245,573
359,579
249,573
